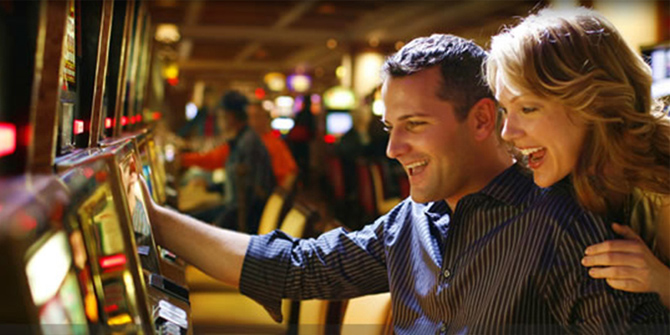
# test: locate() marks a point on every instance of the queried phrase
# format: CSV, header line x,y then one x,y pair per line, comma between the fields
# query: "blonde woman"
x,y
577,104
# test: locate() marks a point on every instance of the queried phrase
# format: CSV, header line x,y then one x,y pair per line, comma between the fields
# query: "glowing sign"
x,y
78,127
48,267
7,139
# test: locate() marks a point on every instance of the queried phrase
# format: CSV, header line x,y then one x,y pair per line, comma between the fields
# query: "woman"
x,y
576,101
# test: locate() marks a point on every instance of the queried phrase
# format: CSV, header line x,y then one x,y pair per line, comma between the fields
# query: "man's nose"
x,y
397,145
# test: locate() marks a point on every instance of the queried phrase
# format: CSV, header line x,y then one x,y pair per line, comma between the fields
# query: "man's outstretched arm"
x,y
217,252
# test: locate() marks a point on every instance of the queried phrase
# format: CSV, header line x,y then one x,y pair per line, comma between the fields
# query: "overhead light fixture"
x,y
167,33
276,81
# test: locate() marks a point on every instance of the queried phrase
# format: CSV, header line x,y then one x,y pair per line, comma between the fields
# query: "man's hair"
x,y
460,63
235,103
578,58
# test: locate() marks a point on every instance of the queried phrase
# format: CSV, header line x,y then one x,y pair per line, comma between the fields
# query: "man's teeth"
x,y
410,168
417,164
528,152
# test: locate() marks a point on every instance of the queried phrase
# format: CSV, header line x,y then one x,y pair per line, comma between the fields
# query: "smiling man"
x,y
477,248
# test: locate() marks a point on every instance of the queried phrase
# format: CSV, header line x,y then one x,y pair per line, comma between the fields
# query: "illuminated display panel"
x,y
67,85
146,246
100,221
54,288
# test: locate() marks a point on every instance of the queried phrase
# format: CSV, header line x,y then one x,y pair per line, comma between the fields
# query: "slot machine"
x,y
46,286
140,292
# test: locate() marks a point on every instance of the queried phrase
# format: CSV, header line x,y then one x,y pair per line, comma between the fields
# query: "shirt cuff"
x,y
264,270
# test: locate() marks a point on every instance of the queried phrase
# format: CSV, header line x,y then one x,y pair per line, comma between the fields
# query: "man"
x,y
477,249
283,164
249,178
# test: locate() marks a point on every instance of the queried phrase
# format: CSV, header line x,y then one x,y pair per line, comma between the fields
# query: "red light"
x,y
78,127
330,139
157,115
108,123
260,93
112,261
276,133
139,117
124,120
27,222
7,139
88,172
173,81
111,308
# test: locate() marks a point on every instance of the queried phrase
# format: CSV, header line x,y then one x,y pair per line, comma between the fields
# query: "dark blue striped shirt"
x,y
506,260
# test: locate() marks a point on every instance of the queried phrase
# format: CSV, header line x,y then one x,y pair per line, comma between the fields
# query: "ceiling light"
x,y
167,33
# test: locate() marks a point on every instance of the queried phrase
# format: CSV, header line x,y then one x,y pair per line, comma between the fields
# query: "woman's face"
x,y
549,134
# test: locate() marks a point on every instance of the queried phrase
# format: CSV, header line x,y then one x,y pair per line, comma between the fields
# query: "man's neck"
x,y
484,174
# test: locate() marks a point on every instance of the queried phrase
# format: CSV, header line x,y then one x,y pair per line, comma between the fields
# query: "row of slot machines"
x,y
77,251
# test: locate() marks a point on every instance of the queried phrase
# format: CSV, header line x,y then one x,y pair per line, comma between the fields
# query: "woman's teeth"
x,y
530,151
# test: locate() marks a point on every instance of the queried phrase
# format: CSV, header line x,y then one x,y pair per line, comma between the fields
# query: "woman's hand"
x,y
628,264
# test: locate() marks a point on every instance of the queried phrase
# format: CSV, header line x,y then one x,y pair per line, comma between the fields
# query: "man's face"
x,y
426,138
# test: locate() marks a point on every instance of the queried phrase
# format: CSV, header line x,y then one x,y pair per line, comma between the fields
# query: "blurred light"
x,y
78,127
275,81
331,43
171,71
139,117
167,33
330,139
299,82
283,124
284,101
173,81
378,107
340,98
191,111
7,139
108,122
399,45
119,320
124,120
374,42
112,261
268,105
48,267
157,115
339,72
169,152
259,93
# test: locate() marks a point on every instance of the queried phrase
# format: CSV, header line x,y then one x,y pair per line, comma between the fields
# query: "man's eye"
x,y
414,124
527,110
387,129
502,111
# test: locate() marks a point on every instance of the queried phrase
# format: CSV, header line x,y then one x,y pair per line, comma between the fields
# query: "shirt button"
x,y
446,273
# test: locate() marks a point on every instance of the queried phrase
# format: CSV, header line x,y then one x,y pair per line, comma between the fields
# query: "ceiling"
x,y
235,43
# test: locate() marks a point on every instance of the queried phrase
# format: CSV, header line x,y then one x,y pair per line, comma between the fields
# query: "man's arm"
x,y
217,252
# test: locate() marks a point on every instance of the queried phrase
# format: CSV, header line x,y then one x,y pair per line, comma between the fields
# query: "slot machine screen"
x,y
146,166
67,88
98,215
146,246
54,287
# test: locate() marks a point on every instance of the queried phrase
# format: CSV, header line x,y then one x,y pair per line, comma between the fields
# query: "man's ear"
x,y
482,118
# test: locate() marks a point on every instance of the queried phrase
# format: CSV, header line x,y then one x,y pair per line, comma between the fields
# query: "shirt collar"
x,y
513,186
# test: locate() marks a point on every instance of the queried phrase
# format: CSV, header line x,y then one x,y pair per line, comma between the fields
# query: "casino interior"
x,y
96,95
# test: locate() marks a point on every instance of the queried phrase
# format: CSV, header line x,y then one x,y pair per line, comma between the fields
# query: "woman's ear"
x,y
482,118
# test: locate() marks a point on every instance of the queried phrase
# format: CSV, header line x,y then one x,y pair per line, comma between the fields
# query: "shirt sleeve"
x,y
337,265
590,306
